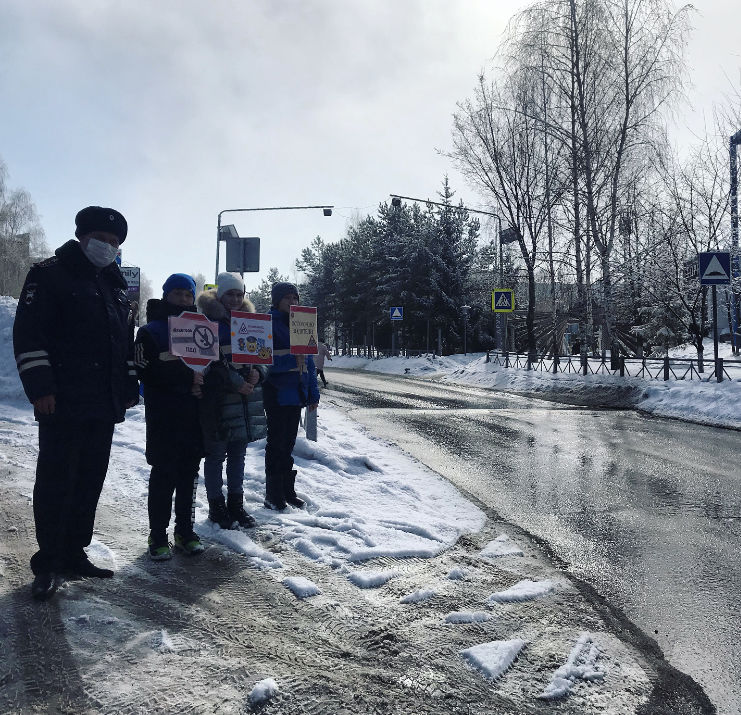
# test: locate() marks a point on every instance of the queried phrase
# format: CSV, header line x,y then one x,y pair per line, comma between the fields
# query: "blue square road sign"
x,y
715,268
503,301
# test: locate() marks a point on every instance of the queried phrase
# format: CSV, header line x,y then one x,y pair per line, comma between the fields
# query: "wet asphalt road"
x,y
646,510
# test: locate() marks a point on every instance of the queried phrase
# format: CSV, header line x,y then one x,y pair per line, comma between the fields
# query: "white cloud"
x,y
172,111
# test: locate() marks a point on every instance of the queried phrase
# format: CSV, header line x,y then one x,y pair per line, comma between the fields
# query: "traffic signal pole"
x,y
735,258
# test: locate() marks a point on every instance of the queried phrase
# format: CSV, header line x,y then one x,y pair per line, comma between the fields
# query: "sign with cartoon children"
x,y
252,338
194,339
302,328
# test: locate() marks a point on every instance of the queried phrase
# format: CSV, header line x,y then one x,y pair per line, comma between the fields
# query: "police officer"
x,y
74,349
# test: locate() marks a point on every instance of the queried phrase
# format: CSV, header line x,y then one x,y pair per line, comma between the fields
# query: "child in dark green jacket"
x,y
232,413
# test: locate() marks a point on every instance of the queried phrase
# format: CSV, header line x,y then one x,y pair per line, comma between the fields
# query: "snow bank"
x,y
493,658
11,388
263,691
467,617
580,665
525,590
301,587
501,546
371,579
424,594
703,402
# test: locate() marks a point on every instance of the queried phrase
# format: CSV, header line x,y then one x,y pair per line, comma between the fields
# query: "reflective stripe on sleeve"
x,y
139,358
33,363
31,354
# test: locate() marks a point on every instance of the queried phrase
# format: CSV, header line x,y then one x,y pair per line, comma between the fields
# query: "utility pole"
x,y
735,257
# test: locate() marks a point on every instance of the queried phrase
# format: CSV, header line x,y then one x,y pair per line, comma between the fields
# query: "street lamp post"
x,y
327,210
396,201
465,310
735,257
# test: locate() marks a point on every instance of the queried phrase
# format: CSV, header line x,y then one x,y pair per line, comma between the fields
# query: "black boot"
x,y
289,490
235,506
44,586
218,513
79,565
274,492
90,570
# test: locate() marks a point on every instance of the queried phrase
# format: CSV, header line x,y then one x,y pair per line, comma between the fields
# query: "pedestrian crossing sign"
x,y
503,301
714,268
397,312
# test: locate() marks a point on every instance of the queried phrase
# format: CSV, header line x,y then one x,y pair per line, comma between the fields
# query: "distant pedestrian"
x,y
324,352
232,413
174,445
74,349
290,386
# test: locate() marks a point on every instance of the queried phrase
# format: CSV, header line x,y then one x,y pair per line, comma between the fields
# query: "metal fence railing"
x,y
662,368
646,368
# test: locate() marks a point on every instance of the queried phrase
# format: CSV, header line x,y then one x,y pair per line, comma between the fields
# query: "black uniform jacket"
x,y
72,337
173,427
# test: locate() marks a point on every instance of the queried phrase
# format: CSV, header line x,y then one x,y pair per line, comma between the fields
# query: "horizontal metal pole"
x,y
278,208
449,206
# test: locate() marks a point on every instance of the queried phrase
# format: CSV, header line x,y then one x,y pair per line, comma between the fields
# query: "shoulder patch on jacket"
x,y
29,293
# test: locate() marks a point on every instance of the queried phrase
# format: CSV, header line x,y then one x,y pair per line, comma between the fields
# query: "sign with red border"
x,y
194,339
252,338
302,329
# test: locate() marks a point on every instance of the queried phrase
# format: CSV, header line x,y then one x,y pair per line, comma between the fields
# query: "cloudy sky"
x,y
174,110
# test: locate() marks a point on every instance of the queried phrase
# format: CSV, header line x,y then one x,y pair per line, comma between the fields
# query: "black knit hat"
x,y
281,289
98,218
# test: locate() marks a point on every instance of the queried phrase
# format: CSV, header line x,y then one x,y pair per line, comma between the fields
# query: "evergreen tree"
x,y
260,296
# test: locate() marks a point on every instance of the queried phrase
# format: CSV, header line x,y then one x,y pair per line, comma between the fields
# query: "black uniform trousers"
x,y
70,471
181,477
283,422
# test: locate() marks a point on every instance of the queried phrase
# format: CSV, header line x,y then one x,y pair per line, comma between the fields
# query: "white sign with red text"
x,y
302,330
194,339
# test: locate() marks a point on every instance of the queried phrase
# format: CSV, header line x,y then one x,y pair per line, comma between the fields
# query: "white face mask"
x,y
99,253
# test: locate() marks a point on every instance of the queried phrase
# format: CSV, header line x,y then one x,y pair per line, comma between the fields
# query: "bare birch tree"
x,y
501,147
21,236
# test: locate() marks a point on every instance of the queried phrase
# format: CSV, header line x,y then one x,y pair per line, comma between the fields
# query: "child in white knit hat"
x,y
232,413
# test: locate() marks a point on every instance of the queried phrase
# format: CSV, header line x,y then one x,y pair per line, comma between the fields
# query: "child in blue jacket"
x,y
174,444
289,386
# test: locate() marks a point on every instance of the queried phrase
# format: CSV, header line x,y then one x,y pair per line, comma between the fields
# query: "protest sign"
x,y
252,338
302,330
194,339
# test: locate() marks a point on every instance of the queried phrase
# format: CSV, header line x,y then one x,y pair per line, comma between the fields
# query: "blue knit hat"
x,y
179,280
281,289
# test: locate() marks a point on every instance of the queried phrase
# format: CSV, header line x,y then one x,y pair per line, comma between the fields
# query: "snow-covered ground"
x,y
701,401
365,500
